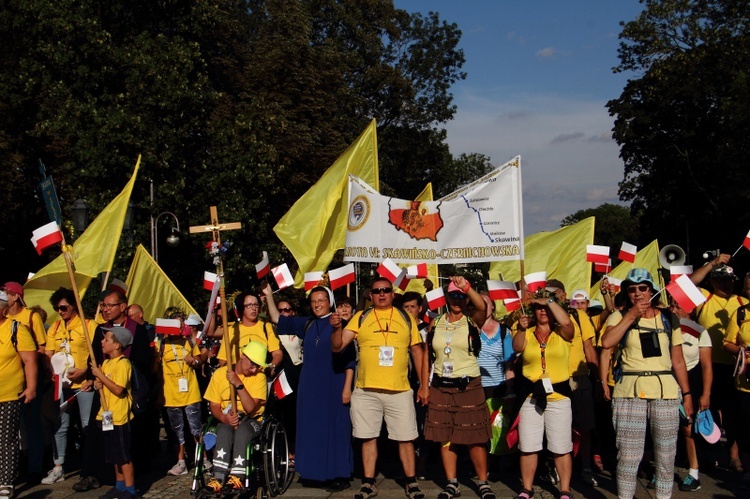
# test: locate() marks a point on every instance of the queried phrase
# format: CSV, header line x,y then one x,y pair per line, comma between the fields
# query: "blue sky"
x,y
539,76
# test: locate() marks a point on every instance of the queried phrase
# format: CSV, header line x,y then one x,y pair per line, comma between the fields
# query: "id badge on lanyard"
x,y
385,356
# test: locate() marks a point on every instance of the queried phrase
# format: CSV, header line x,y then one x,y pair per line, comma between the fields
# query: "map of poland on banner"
x,y
480,222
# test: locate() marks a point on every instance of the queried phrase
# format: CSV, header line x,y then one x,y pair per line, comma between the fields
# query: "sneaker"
x,y
112,493
214,485
450,491
588,478
234,483
413,491
208,466
366,491
86,483
178,469
55,475
690,484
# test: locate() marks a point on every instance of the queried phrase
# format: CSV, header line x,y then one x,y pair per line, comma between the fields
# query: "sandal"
x,y
485,492
450,491
525,494
413,491
6,491
566,495
366,491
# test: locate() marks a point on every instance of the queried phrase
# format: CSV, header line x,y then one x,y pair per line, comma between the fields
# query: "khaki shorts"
x,y
556,422
370,407
583,402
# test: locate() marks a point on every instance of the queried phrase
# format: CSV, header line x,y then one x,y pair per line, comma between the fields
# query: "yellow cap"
x,y
256,352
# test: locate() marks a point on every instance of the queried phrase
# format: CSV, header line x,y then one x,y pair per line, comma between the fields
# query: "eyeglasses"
x,y
380,291
251,305
285,310
641,287
111,305
61,308
457,296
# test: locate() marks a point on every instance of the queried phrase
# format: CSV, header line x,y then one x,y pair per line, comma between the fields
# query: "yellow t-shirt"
x,y
37,326
218,390
11,365
118,370
260,331
174,350
71,334
739,332
578,365
714,315
457,335
384,328
647,387
556,356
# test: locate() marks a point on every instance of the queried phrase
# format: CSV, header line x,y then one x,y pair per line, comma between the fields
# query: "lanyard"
x,y
177,357
542,347
387,324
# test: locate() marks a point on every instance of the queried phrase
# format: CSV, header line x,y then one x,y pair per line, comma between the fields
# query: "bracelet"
x,y
686,394
466,288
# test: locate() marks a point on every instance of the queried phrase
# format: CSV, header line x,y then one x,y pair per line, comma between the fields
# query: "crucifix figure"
x,y
216,228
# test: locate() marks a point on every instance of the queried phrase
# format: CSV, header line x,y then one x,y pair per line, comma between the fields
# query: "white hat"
x,y
579,294
194,320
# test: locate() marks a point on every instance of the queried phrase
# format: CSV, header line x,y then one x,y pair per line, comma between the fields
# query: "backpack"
x,y
138,390
475,341
616,358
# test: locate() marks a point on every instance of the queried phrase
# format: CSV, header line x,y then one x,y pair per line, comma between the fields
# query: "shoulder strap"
x,y
364,314
14,333
702,306
308,324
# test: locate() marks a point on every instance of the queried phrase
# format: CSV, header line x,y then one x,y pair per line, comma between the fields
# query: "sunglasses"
x,y
61,308
381,291
456,296
285,310
641,287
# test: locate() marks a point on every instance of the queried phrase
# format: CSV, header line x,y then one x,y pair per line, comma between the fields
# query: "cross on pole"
x,y
216,228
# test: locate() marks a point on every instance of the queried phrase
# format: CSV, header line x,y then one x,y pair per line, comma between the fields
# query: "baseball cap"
x,y
452,288
256,352
16,289
580,294
193,320
705,426
722,271
123,335
553,284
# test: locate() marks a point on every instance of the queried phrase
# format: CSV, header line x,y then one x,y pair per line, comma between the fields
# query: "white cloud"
x,y
546,52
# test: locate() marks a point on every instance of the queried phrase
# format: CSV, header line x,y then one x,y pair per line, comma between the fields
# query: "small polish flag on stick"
x,y
501,290
281,386
341,276
46,236
418,271
617,283
745,244
536,280
389,270
312,279
435,298
604,268
676,271
168,327
691,327
262,268
402,281
282,275
627,252
429,316
512,304
597,254
685,293
118,285
209,278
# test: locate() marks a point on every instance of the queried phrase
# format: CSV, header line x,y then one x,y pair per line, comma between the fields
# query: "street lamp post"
x,y
173,239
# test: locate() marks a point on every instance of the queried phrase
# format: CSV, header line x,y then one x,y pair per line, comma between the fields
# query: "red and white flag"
x,y
390,270
118,285
402,281
209,279
262,268
312,279
536,280
691,327
435,298
418,271
604,268
685,293
596,253
627,252
617,283
341,276
46,236
429,316
168,327
282,275
281,386
746,242
676,271
501,290
512,304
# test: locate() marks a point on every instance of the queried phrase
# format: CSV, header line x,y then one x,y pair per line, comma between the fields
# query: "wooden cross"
x,y
215,228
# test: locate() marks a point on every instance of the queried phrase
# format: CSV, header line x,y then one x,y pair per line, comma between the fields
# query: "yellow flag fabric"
x,y
314,228
93,252
149,287
432,269
647,258
561,253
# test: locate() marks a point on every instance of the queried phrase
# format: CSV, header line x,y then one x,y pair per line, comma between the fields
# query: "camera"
x,y
711,254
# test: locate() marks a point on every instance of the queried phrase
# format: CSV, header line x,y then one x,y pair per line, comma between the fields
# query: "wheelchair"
x,y
268,471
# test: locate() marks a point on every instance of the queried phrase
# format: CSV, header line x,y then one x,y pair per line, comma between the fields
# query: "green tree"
x,y
614,225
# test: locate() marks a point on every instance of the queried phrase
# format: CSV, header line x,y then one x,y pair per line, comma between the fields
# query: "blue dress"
x,y
324,427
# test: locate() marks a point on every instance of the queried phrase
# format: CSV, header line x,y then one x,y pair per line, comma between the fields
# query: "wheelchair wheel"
x,y
276,464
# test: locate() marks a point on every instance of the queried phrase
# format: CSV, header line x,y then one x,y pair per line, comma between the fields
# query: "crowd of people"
x,y
561,383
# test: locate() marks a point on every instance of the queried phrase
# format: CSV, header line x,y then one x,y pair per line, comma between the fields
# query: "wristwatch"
x,y
550,300
239,387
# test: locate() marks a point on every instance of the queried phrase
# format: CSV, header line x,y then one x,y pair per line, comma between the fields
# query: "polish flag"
x,y
118,285
312,279
501,290
685,293
402,281
617,283
597,254
282,274
429,316
512,304
262,268
418,271
627,252
45,236
209,279
746,242
341,276
604,268
676,271
390,270
281,386
691,327
168,327
435,299
535,280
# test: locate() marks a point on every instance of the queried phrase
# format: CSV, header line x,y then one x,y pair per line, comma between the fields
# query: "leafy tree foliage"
x,y
613,225
682,125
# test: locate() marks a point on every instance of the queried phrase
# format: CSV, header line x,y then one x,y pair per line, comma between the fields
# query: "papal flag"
x,y
314,228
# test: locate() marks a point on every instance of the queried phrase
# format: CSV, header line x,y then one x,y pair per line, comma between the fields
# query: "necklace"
x,y
449,327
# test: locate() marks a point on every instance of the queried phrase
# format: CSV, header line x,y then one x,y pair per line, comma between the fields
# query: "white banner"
x,y
481,222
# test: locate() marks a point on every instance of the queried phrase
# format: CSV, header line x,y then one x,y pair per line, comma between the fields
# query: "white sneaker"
x,y
589,479
178,469
55,475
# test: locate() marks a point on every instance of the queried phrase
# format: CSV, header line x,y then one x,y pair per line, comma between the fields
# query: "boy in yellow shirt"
x,y
113,378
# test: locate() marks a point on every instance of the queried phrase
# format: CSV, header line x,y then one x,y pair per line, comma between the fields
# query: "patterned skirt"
x,y
458,416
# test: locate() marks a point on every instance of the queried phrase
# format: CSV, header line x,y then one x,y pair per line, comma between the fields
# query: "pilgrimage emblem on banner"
x,y
418,220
